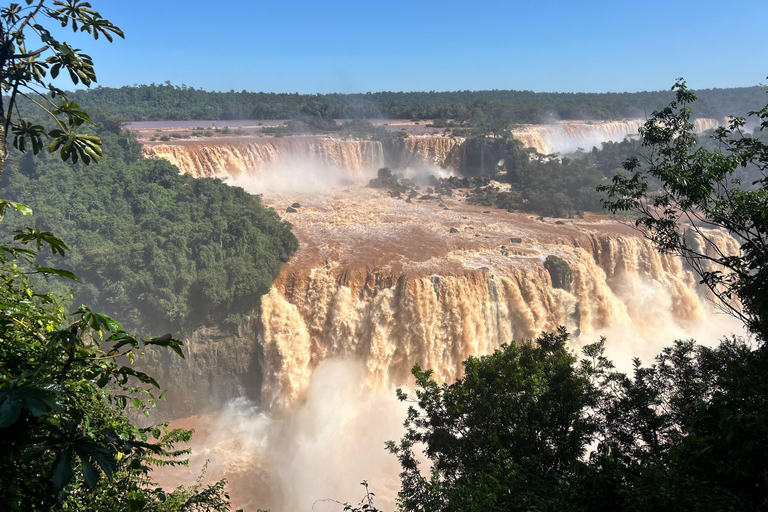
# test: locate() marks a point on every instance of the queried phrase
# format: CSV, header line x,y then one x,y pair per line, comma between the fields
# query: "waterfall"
x,y
568,136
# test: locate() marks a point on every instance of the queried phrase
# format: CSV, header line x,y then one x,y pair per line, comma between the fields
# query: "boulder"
x,y
560,272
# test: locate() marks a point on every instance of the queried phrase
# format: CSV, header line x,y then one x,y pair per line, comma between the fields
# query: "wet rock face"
x,y
245,155
220,363
250,155
560,272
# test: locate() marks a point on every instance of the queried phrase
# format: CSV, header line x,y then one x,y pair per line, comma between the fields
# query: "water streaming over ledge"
x,y
379,285
247,155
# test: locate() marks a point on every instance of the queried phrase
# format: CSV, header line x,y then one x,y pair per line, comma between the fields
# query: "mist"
x,y
296,174
312,455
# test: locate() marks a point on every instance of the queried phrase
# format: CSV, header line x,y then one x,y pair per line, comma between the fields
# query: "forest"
x,y
171,102
163,251
558,185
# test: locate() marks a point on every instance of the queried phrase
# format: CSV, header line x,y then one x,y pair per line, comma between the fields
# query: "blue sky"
x,y
343,46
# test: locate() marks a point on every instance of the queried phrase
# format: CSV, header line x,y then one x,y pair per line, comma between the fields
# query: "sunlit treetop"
x,y
30,59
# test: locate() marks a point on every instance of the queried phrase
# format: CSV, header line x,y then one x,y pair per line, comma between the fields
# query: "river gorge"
x,y
295,405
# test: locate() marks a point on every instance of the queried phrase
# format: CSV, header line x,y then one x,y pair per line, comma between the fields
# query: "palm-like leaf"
x,y
19,394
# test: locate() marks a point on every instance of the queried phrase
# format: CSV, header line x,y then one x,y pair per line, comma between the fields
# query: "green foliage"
x,y
686,433
365,504
502,438
395,182
65,442
545,184
161,250
532,428
24,76
610,156
699,189
358,128
169,102
302,124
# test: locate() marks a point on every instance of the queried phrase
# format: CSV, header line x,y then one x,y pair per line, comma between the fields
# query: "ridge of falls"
x,y
393,320
379,285
235,157
568,136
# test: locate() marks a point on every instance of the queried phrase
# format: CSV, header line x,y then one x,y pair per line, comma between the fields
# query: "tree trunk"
x,y
3,145
482,156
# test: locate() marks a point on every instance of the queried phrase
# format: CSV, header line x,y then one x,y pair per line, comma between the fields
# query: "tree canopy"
x,y
67,379
160,250
66,441
534,427
26,72
701,190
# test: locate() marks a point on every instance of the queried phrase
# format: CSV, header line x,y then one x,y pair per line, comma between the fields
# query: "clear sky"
x,y
342,46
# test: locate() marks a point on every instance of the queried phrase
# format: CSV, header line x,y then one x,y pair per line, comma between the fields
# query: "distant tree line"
x,y
356,128
169,102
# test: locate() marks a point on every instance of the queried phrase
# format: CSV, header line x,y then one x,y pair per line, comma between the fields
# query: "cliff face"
x,y
393,321
235,158
379,284
387,283
219,364
425,151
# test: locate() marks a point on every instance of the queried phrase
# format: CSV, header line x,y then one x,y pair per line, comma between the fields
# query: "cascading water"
x,y
392,321
355,156
568,136
233,159
378,285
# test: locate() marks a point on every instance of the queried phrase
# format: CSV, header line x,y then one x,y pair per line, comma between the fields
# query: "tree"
x,y
26,72
161,251
532,427
65,439
504,437
698,195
